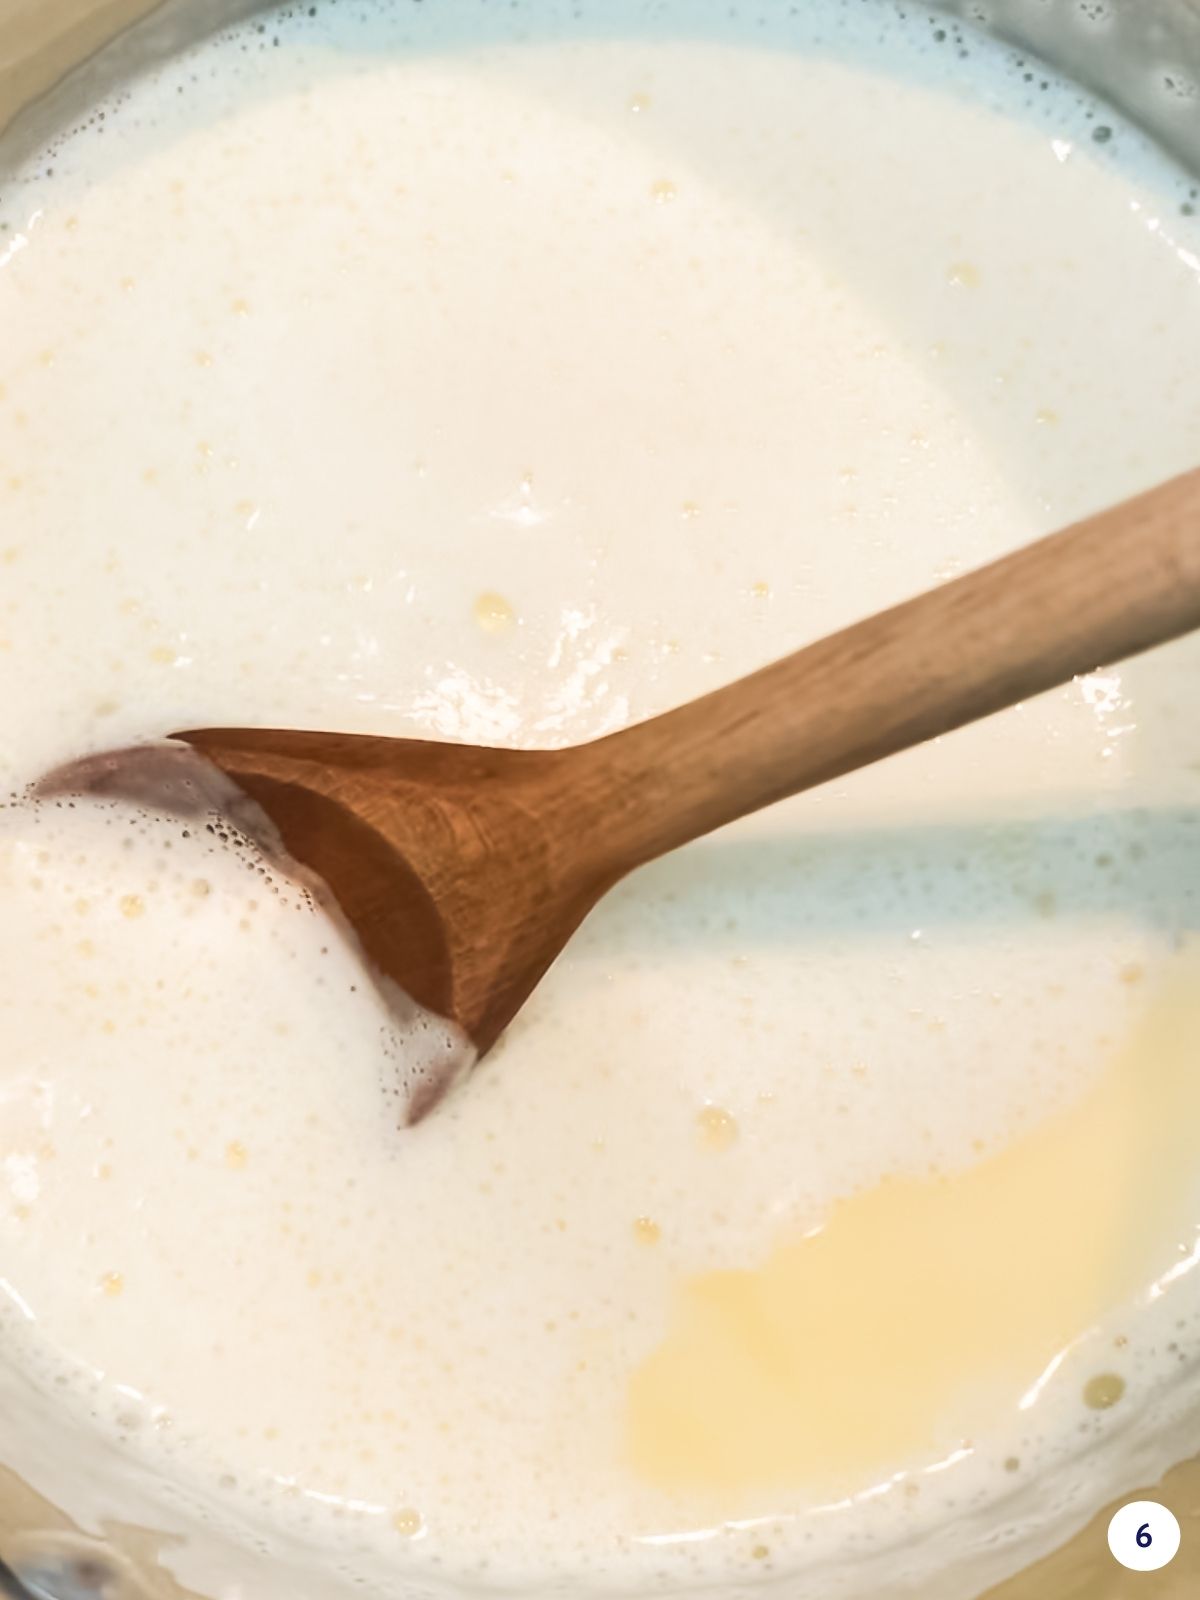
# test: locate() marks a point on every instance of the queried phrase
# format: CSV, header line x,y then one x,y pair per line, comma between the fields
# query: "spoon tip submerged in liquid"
x,y
463,870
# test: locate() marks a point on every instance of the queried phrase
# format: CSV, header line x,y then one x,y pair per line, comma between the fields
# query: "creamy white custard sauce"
x,y
826,1222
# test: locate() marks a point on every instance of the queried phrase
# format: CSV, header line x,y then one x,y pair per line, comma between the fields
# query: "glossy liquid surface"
x,y
508,378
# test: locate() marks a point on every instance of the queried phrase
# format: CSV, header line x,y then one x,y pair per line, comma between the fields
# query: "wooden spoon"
x,y
465,870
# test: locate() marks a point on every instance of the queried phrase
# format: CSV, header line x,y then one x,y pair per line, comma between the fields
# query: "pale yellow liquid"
x,y
928,1297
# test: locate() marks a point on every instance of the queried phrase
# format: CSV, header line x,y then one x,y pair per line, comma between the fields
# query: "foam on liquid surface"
x,y
508,379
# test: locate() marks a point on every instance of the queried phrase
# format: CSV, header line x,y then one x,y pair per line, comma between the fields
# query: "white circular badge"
x,y
1143,1536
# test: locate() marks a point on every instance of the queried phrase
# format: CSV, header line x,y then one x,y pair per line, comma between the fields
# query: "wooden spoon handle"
x,y
1103,589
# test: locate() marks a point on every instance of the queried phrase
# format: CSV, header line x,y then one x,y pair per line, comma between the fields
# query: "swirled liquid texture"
x,y
826,1220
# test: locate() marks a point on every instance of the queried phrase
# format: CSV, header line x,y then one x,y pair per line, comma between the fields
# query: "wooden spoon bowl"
x,y
463,871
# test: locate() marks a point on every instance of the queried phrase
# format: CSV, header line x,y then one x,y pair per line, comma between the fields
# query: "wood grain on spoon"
x,y
465,870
